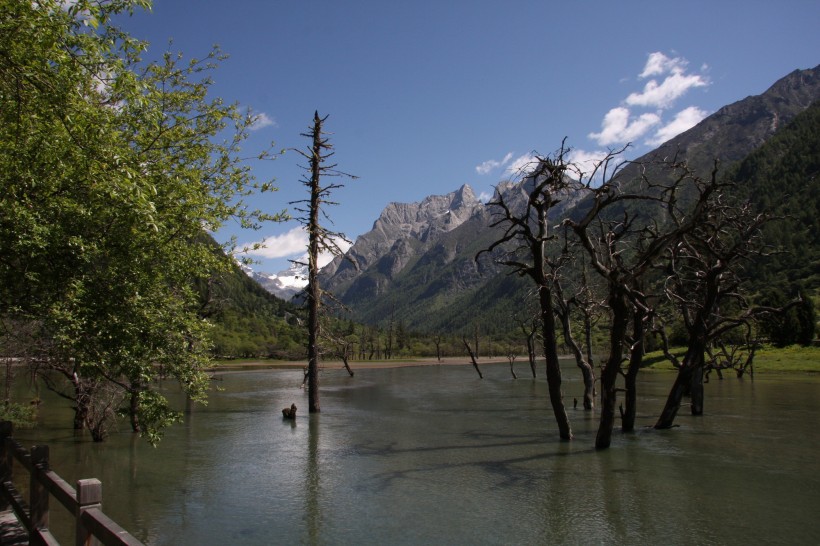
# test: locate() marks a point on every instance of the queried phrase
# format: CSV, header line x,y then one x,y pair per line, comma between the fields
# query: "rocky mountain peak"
x,y
401,228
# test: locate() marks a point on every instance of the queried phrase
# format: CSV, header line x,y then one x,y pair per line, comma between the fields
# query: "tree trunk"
x,y
696,391
553,365
531,355
631,379
314,295
683,383
473,358
347,365
587,373
609,376
82,399
133,411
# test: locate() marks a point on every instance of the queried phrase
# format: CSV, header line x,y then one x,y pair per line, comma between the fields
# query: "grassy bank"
x,y
794,359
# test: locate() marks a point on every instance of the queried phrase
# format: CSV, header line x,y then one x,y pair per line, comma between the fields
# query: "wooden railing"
x,y
91,525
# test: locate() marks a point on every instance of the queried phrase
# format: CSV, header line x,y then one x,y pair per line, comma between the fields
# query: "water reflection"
x,y
312,479
435,455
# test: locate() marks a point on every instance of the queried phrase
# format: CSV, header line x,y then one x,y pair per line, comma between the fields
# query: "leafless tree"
x,y
473,357
564,306
627,227
320,238
529,233
703,283
529,327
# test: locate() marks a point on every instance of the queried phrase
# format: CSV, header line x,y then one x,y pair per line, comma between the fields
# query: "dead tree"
x,y
529,328
627,227
320,239
437,342
528,231
511,356
704,285
564,306
473,358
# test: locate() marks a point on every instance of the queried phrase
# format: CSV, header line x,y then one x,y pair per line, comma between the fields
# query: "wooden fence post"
x,y
89,495
6,458
38,494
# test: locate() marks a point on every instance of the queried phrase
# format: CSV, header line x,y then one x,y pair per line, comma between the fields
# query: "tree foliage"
x,y
111,167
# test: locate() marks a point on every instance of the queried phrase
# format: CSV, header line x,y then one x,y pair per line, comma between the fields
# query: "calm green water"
x,y
436,456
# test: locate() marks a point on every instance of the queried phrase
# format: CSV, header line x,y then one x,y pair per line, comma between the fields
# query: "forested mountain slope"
x,y
782,177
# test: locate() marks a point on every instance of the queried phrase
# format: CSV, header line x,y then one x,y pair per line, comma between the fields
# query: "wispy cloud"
x,y
658,64
619,126
521,165
291,244
639,117
485,196
284,245
663,95
684,120
670,80
262,120
492,164
584,162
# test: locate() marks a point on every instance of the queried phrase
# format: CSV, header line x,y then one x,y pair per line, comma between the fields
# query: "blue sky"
x,y
425,96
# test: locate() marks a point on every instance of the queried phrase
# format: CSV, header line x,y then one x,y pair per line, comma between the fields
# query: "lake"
x,y
435,455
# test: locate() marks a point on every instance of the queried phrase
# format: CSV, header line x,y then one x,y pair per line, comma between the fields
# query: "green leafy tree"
x,y
111,169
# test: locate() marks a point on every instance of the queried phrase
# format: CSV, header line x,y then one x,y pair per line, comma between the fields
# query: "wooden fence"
x,y
91,525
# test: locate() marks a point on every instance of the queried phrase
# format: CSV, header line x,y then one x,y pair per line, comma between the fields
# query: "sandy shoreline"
x,y
258,365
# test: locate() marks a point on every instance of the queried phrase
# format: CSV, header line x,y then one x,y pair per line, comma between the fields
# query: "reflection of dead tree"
x,y
472,357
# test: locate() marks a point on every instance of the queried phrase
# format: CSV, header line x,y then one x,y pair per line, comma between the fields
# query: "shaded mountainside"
x,y
417,264
782,177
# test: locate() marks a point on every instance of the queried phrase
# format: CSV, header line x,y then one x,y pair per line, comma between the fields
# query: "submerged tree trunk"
x,y
692,361
553,365
631,378
313,292
82,399
531,355
609,376
347,365
133,410
472,358
587,372
696,390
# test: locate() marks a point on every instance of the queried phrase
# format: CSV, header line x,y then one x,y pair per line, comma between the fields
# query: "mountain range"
x,y
417,264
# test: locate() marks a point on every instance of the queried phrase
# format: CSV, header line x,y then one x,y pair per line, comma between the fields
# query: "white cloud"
x,y
262,120
658,64
326,257
492,164
487,167
583,162
685,119
521,165
290,243
618,126
664,94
